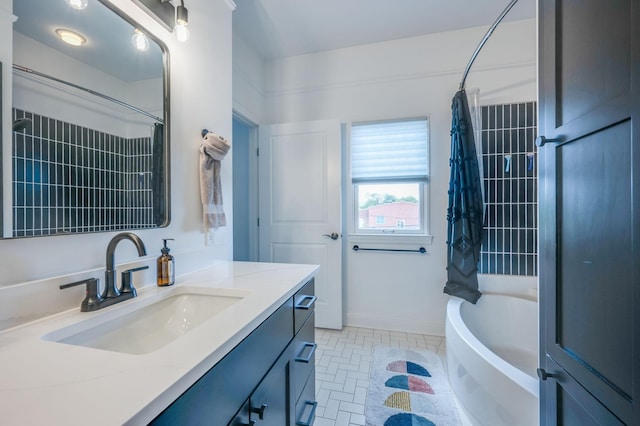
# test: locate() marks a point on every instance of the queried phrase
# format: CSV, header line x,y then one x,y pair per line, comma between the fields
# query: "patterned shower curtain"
x,y
465,211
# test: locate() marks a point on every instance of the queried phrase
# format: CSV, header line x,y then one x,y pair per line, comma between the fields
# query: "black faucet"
x,y
110,288
111,293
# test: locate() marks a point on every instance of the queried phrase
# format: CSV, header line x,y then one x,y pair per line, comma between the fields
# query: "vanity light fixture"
x,y
140,41
77,4
180,30
174,19
71,37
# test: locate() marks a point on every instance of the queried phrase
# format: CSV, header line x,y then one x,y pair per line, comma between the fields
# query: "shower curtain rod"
x,y
484,40
93,92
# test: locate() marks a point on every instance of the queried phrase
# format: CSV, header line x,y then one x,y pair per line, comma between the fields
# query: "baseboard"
x,y
381,322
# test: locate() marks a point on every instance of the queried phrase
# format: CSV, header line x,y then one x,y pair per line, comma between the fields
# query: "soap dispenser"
x,y
166,271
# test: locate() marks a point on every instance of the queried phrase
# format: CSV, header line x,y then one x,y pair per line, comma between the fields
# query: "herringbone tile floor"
x,y
343,359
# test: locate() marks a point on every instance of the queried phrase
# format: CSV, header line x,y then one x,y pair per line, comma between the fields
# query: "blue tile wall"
x,y
68,178
511,222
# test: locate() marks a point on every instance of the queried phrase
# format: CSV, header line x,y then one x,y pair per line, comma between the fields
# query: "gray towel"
x,y
212,151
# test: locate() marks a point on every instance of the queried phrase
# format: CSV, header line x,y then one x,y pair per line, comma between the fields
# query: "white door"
x,y
299,206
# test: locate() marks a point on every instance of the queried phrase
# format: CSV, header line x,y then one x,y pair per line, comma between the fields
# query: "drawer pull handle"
x,y
307,359
310,301
260,411
312,414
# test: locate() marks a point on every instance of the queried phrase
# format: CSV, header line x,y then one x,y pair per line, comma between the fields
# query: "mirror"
x,y
90,122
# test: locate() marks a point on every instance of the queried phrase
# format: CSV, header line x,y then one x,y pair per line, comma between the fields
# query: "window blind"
x,y
389,151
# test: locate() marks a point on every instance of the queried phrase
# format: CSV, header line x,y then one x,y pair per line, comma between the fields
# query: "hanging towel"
x,y
466,209
212,151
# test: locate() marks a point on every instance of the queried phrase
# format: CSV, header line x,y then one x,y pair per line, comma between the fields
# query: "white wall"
x,y
248,81
200,90
394,79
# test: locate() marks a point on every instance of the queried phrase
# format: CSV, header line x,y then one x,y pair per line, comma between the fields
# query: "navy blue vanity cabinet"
x,y
303,363
267,380
218,395
286,396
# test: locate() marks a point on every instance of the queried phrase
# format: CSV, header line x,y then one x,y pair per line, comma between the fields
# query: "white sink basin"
x,y
144,326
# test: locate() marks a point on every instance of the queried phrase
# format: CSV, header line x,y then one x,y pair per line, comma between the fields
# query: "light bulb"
x,y
77,4
181,32
140,41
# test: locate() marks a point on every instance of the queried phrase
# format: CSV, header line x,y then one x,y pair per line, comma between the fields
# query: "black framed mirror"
x,y
90,121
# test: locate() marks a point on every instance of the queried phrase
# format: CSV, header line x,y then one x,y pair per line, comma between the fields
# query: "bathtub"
x,y
492,356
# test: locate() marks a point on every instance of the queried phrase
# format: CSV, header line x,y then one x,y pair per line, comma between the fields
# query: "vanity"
x,y
262,379
248,360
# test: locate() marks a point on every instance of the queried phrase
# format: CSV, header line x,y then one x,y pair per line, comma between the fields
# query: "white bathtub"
x,y
492,356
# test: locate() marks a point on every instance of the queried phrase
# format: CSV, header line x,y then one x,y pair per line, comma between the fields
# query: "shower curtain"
x,y
158,174
465,210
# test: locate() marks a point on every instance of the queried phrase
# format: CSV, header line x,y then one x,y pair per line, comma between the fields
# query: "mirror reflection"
x,y
89,148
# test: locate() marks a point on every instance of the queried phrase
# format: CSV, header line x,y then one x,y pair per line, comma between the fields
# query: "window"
x,y
389,173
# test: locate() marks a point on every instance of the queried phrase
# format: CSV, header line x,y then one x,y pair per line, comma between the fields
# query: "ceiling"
x,y
281,28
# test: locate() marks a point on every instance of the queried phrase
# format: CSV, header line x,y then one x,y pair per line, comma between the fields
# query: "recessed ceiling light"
x,y
71,37
77,4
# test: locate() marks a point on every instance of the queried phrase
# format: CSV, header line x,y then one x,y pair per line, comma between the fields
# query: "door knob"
x,y
541,140
333,235
543,375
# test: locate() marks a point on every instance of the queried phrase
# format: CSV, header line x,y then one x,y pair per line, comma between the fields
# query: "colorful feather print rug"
x,y
409,388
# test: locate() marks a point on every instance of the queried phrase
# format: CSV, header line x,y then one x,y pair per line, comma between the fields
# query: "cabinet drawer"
x,y
304,358
307,404
304,304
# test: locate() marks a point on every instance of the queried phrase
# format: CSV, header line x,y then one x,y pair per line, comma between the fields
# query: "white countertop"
x,y
44,382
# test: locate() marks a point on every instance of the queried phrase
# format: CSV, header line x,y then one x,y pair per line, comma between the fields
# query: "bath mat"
x,y
408,388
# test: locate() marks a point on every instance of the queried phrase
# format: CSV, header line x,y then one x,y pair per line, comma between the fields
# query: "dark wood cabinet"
x,y
589,212
256,383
